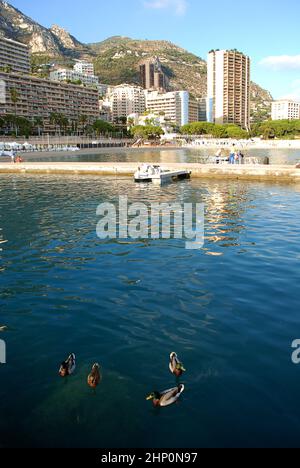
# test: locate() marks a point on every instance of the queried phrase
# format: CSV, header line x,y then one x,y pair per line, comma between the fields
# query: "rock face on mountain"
x,y
55,41
65,38
117,59
261,103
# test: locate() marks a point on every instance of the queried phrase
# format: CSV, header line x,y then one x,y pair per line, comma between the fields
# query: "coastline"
x,y
202,143
210,146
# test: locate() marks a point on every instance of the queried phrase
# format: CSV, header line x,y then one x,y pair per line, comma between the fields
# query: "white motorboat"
x,y
154,173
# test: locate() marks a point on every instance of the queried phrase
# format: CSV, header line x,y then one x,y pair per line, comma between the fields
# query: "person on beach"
x,y
241,158
19,160
232,155
13,157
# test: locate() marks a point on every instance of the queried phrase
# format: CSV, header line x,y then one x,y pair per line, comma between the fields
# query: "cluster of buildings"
x,y
227,100
77,93
153,98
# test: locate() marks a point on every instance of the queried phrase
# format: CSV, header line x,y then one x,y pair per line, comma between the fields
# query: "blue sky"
x,y
266,30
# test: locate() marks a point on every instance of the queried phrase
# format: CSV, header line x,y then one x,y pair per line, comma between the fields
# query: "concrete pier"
x,y
205,171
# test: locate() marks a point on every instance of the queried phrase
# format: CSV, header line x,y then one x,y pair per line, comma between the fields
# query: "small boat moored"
x,y
154,173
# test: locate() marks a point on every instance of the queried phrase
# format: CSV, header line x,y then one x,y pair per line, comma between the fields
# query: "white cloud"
x,y
294,93
281,62
179,7
294,96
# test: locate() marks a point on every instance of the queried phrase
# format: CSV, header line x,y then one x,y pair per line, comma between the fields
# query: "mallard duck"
x,y
166,398
175,366
95,377
68,367
3,328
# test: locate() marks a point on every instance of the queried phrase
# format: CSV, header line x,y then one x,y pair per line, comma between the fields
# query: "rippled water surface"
x,y
184,155
231,310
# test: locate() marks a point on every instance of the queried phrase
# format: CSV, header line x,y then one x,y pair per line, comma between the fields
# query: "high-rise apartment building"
x,y
152,76
125,100
14,56
228,88
285,110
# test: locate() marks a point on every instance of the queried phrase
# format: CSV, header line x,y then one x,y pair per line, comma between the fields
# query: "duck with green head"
x,y
68,367
166,398
175,366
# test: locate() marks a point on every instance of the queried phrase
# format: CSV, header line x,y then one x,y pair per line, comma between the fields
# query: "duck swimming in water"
x,y
166,398
68,367
95,377
175,366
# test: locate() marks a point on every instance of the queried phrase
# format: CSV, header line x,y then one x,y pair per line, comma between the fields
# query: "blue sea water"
x,y
230,310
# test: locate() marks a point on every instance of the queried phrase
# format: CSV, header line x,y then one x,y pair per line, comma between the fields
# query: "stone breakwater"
x,y
205,171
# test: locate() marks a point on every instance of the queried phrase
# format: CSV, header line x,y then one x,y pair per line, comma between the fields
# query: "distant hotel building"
x,y
228,88
152,76
84,67
14,56
64,74
285,110
176,106
125,100
40,98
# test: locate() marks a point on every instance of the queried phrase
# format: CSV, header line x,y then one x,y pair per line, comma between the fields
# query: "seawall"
x,y
243,172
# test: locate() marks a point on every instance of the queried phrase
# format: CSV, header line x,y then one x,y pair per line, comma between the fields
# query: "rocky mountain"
x,y
55,41
117,59
261,103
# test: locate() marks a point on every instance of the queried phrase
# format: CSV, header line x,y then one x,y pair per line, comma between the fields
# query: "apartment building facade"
x,y
152,76
125,100
285,110
14,56
38,97
176,106
202,109
228,88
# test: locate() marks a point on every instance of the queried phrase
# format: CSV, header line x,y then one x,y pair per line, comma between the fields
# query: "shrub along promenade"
x,y
205,171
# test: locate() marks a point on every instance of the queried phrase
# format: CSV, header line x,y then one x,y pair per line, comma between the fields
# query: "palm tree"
x,y
39,123
55,120
14,96
63,122
83,121
2,123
